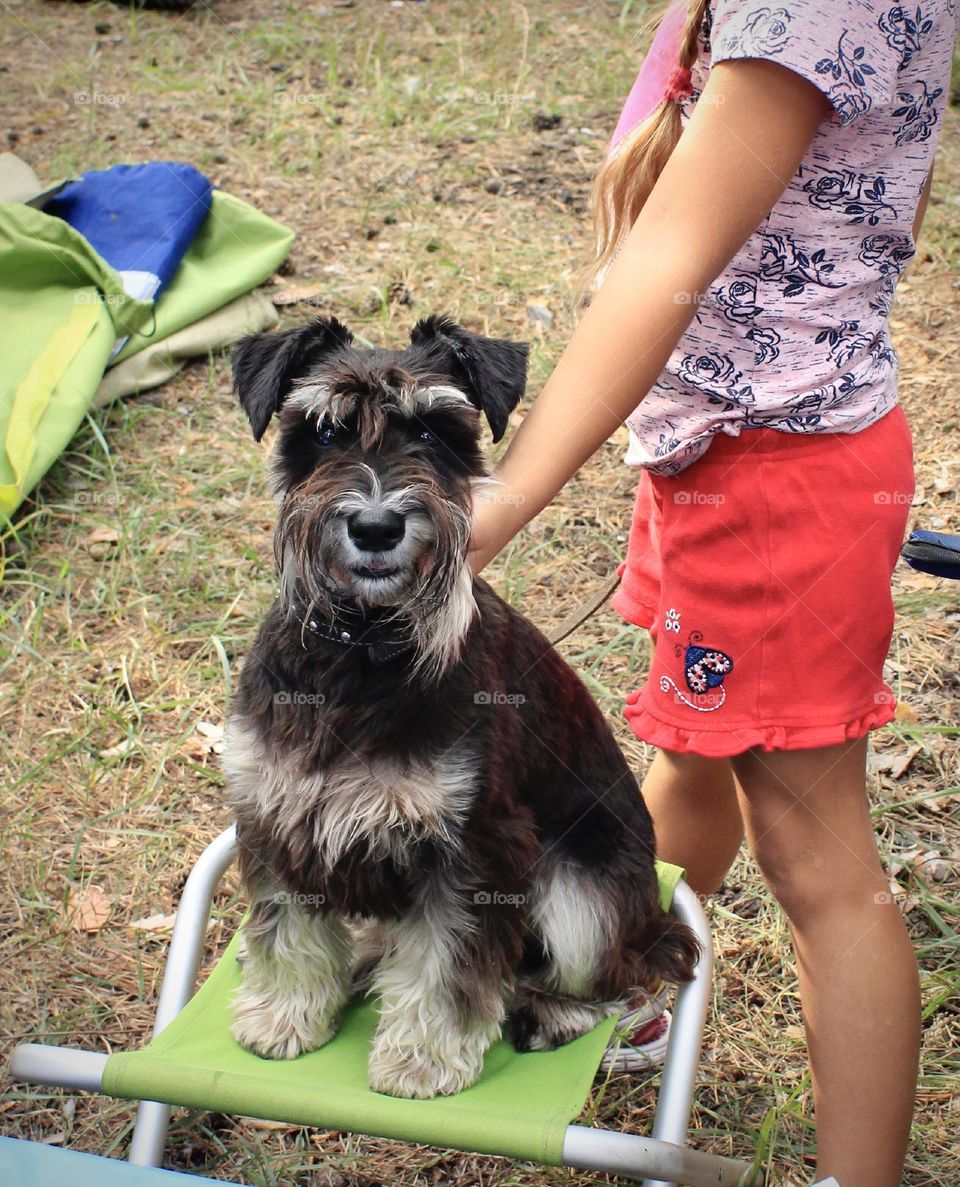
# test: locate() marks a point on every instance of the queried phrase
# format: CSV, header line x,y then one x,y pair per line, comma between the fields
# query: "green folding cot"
x,y
523,1106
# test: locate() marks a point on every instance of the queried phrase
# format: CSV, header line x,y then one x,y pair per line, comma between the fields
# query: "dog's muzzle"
x,y
374,533
374,551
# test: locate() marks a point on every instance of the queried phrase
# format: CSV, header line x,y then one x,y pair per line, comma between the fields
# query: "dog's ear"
x,y
265,366
492,371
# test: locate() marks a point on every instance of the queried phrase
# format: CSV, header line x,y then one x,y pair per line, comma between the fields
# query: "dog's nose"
x,y
376,530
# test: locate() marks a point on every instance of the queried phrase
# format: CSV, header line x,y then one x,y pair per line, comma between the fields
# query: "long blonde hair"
x,y
624,181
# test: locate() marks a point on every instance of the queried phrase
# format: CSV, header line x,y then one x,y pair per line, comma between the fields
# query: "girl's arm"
x,y
751,129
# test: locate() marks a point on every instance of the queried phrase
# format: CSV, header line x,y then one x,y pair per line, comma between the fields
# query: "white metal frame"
x,y
661,1160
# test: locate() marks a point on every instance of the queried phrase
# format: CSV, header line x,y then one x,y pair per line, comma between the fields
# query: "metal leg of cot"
x,y
665,1153
631,1156
180,979
36,1063
675,1101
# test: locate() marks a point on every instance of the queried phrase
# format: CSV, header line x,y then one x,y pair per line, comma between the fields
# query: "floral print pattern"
x,y
768,29
905,32
786,262
767,343
738,301
919,113
793,334
851,74
715,375
858,195
844,342
888,254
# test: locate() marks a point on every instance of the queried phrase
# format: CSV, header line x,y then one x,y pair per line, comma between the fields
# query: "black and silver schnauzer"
x,y
423,789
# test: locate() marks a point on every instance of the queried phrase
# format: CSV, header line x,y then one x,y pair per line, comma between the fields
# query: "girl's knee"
x,y
809,888
795,886
810,831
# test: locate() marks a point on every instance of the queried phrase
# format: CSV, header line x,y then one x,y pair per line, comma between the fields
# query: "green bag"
x,y
63,307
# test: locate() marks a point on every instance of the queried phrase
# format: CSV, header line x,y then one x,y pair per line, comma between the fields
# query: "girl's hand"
x,y
497,517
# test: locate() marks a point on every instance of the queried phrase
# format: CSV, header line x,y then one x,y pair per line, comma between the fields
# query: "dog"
x,y
424,791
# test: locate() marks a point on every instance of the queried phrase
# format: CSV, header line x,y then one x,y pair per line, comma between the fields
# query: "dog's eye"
x,y
326,434
427,437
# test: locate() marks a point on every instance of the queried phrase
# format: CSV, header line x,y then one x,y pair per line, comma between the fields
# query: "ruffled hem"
x,y
724,743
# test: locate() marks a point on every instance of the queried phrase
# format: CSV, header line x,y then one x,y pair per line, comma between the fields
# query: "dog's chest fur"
x,y
357,834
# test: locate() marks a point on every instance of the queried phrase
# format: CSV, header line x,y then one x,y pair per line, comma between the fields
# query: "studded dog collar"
x,y
381,635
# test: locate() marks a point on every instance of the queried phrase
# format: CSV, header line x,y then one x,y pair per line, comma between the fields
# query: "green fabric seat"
x,y
520,1107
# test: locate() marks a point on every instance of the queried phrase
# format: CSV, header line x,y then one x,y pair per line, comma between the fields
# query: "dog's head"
x,y
375,463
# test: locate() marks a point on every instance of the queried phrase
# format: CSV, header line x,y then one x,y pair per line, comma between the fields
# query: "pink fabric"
x,y
661,60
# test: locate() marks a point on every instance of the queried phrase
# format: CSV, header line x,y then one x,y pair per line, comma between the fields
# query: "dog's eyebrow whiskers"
x,y
318,397
311,398
440,394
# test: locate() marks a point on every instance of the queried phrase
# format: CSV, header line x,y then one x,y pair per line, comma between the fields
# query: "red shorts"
x,y
763,574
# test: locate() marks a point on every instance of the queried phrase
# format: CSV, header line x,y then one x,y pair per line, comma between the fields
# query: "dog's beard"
x,y
422,584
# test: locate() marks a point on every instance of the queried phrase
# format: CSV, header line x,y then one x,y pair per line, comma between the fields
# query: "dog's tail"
x,y
671,950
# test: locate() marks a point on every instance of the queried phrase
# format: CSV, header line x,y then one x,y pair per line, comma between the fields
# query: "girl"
x,y
751,232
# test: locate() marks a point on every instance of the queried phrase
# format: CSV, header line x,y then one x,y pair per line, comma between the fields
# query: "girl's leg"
x,y
696,815
809,828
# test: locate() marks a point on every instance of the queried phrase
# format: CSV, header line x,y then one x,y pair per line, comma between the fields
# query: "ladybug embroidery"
x,y
704,669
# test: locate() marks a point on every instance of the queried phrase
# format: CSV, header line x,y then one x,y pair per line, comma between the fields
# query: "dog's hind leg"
x,y
441,1007
295,978
573,922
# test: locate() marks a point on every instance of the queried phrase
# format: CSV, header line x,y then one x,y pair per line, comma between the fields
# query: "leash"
x,y
585,611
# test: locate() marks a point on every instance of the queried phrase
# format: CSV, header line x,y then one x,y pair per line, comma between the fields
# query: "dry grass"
x,y
399,143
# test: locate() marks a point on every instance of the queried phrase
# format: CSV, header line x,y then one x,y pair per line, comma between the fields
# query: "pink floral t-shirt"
x,y
794,333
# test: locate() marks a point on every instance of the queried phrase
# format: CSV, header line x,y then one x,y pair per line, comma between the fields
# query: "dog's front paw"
x,y
418,1076
276,1027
